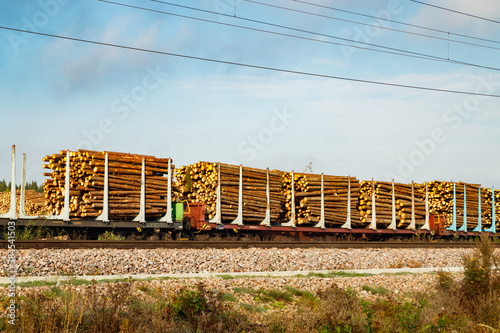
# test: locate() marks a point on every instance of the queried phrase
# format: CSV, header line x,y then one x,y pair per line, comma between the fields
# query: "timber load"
x,y
34,203
307,188
87,178
257,196
441,203
405,197
488,205
198,183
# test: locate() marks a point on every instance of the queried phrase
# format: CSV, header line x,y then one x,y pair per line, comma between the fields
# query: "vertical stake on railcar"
x,y
321,223
427,224
373,224
392,226
453,226
105,205
464,225
413,222
347,224
291,223
168,216
493,222
239,218
65,214
217,218
22,200
267,219
11,214
141,217
478,227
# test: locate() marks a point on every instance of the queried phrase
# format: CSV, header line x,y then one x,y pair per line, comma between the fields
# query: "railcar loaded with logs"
x,y
122,191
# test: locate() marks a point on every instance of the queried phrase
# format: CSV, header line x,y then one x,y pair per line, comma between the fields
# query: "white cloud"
x,y
446,20
87,66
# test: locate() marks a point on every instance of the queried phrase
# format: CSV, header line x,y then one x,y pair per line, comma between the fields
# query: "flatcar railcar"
x,y
191,218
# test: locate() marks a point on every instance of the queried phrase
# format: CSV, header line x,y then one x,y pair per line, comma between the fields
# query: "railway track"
x,y
91,244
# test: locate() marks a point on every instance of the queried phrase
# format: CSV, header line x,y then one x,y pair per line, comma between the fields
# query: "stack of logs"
x,y
33,205
441,203
383,203
87,170
441,200
487,205
472,199
307,188
198,183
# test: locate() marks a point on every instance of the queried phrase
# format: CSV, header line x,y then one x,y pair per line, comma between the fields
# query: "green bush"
x,y
375,290
188,303
480,287
110,235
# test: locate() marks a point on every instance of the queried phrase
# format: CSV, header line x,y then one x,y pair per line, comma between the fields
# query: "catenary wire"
x,y
397,22
371,25
456,11
405,53
419,55
233,63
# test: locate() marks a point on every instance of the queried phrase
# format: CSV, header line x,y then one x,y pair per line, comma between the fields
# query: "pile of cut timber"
x,y
198,183
441,203
300,186
87,184
487,205
472,208
383,203
35,198
307,188
33,205
441,200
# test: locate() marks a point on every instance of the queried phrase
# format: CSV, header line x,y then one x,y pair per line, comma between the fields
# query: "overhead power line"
x,y
371,25
394,51
398,22
456,11
233,63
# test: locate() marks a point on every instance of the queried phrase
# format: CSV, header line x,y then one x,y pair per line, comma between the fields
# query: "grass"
x,y
278,295
228,297
34,231
110,235
471,304
375,290
348,274
253,308
35,284
70,281
300,293
333,274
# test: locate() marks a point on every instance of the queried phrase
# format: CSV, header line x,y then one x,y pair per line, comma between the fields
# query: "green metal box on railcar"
x,y
177,211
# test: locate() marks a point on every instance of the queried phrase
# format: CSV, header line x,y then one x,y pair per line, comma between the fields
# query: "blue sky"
x,y
58,94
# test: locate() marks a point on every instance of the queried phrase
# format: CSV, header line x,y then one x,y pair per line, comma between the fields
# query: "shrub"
x,y
445,280
480,287
375,290
340,308
110,235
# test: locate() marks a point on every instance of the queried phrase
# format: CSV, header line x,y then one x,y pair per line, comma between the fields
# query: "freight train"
x,y
229,212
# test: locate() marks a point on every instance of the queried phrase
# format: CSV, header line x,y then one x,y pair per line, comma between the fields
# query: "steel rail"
x,y
92,244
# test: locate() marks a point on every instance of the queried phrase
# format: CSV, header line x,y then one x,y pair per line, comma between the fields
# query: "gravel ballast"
x,y
79,262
